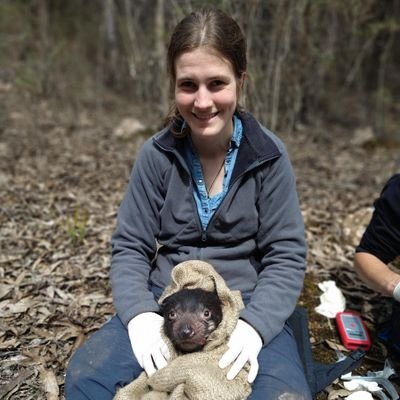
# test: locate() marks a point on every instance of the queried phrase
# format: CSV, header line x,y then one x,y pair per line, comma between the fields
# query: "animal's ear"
x,y
169,301
164,306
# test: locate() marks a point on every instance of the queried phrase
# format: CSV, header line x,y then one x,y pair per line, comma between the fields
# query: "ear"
x,y
164,306
242,79
240,86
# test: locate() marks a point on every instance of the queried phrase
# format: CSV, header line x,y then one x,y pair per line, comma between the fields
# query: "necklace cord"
x,y
215,178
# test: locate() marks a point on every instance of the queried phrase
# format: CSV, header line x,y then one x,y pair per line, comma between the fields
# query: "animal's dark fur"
x,y
190,315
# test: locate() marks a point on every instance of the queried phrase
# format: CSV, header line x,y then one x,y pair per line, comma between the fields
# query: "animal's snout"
x,y
186,331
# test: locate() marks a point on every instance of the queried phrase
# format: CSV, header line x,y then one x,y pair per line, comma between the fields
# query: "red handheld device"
x,y
352,330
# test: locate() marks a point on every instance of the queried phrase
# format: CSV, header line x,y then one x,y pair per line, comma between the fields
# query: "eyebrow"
x,y
212,78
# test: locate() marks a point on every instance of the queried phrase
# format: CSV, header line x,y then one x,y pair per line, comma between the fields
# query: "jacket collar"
x,y
256,145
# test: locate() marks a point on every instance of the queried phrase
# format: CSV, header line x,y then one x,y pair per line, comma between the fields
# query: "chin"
x,y
189,347
210,130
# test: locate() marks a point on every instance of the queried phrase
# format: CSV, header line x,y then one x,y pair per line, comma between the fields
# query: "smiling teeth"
x,y
205,117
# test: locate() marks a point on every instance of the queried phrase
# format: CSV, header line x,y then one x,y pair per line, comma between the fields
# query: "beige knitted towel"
x,y
196,376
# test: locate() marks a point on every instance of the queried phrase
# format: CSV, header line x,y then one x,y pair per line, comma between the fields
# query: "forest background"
x,y
307,59
83,83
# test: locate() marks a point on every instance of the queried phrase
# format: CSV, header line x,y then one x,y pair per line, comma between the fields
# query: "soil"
x,y
62,175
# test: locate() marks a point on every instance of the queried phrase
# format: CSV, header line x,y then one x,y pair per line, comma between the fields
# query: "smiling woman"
x,y
212,185
206,98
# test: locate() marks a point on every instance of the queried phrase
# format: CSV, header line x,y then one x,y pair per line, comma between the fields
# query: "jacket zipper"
x,y
204,230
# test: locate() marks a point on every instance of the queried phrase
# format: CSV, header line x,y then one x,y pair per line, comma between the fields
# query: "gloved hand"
x,y
244,345
396,292
147,344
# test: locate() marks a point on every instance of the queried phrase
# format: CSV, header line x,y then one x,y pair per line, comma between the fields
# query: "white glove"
x,y
396,292
147,344
244,345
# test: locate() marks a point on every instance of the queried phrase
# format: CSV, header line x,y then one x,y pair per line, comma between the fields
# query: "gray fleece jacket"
x,y
255,240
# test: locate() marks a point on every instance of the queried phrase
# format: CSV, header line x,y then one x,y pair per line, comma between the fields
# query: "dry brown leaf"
x,y
338,394
9,259
336,346
5,290
8,308
8,344
49,383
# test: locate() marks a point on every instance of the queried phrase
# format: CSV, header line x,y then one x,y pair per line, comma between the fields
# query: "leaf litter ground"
x,y
62,176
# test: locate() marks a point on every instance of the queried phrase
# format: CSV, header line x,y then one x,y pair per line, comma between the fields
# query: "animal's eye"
x,y
172,314
207,313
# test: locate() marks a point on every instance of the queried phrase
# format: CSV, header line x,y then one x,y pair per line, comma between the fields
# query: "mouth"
x,y
191,345
204,117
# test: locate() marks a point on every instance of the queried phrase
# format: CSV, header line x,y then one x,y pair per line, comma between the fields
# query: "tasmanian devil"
x,y
190,315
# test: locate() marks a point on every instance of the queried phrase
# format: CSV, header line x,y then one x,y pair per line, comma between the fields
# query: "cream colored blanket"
x,y
196,376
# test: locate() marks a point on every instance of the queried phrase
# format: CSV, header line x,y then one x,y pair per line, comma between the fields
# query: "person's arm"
x,y
281,239
281,244
375,273
380,243
133,247
134,239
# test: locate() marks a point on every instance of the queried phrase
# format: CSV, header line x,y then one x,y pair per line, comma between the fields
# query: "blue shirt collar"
x,y
237,132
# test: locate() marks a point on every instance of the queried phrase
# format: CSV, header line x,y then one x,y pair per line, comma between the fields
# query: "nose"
x,y
203,98
186,331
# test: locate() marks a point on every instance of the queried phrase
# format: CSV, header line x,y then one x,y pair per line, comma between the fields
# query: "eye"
x,y
172,315
207,313
217,84
187,85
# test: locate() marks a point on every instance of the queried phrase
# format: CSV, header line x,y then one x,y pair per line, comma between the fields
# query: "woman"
x,y
213,185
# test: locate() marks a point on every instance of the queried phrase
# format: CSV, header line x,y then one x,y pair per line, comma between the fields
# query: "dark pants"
x,y
105,362
389,332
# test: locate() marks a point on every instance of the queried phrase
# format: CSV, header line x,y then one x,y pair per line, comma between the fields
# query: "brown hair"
x,y
206,28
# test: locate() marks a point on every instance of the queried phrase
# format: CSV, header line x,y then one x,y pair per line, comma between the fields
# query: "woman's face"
x,y
206,92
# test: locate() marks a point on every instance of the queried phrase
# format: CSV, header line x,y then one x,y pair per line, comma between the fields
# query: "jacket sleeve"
x,y
133,241
281,244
